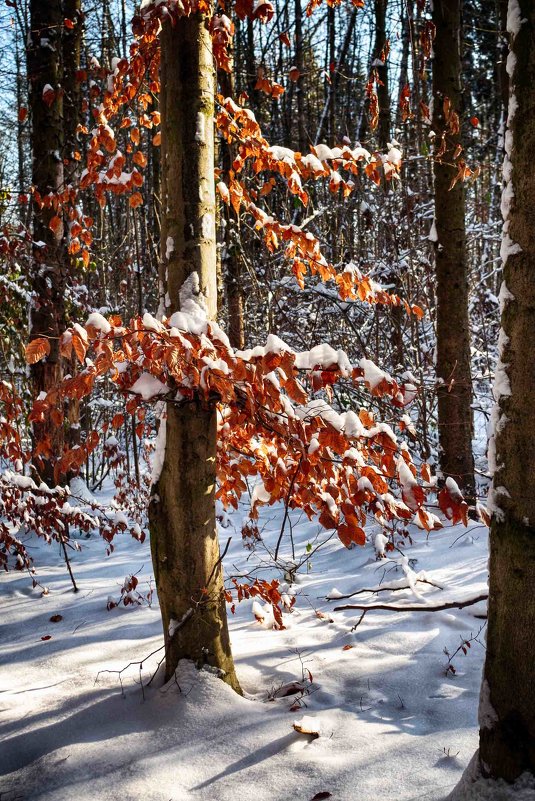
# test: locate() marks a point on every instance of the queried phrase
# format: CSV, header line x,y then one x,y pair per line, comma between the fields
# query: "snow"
x,y
514,17
387,713
169,247
99,322
260,494
323,152
200,128
192,301
473,787
373,375
283,154
148,386
150,323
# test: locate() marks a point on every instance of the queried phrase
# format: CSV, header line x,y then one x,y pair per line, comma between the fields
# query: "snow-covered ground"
x,y
394,723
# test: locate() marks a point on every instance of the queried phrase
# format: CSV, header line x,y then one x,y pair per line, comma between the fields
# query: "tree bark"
x,y
507,722
184,541
48,265
453,333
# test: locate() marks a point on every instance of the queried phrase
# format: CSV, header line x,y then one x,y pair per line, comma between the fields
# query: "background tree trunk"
x,y
507,719
71,45
48,264
383,94
184,540
230,261
300,83
453,334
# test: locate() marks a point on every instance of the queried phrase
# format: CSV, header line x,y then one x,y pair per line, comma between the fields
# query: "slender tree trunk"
x,y
299,88
71,45
507,716
453,334
184,541
332,66
334,87
230,262
48,264
383,94
20,136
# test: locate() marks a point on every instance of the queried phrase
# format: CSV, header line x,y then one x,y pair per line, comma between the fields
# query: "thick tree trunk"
x,y
507,719
48,264
453,334
184,541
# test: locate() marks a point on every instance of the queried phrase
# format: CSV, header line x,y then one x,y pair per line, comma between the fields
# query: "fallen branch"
x,y
391,588
417,607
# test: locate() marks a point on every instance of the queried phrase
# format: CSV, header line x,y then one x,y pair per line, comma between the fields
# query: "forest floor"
x,y
395,723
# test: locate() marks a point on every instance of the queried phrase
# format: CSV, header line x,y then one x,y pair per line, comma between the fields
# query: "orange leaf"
x,y
117,421
285,39
294,74
37,349
349,534
80,347
135,200
49,96
56,225
140,158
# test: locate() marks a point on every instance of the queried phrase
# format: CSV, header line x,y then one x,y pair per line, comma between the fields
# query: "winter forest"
x,y
267,380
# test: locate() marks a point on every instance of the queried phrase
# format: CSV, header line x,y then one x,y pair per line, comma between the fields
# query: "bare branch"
x,y
417,607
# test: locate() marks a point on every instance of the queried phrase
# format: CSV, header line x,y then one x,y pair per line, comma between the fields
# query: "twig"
x,y
359,621
140,662
465,644
286,507
221,557
67,560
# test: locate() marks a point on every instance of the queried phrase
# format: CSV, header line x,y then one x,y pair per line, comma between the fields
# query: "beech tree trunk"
x,y
48,265
507,716
184,540
453,333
